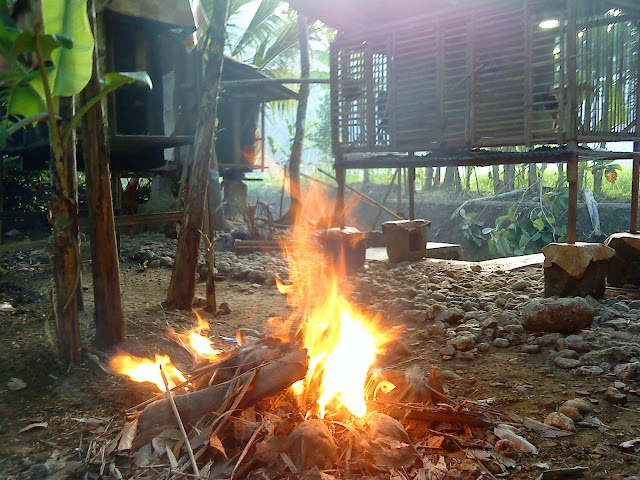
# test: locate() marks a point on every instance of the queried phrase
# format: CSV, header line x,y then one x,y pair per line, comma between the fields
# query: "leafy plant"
x,y
519,232
472,227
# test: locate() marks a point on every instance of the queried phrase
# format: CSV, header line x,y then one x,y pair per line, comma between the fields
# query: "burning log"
x,y
263,382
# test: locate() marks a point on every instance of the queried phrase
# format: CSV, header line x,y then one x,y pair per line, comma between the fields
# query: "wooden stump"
x,y
559,283
345,247
624,268
406,239
575,270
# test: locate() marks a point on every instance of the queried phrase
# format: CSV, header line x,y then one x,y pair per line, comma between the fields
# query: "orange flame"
x,y
146,370
197,344
342,342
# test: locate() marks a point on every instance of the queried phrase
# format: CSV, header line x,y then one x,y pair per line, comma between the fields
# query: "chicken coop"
x,y
442,82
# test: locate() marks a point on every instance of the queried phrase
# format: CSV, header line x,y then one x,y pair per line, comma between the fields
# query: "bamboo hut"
x,y
443,82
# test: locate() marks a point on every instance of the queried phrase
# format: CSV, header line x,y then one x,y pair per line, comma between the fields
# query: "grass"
x,y
481,182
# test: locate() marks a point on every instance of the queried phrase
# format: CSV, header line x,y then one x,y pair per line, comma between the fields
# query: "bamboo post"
x,y
633,220
572,216
108,316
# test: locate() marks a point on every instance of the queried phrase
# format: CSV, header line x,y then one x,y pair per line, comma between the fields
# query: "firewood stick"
x,y
179,422
269,380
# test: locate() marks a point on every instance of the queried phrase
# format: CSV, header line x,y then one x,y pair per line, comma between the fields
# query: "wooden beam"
x,y
261,82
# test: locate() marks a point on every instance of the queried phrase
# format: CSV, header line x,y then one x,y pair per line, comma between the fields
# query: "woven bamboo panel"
x,y
489,75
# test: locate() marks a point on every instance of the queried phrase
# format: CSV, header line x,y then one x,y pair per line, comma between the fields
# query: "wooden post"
x,y
635,179
183,275
341,178
412,192
109,317
572,216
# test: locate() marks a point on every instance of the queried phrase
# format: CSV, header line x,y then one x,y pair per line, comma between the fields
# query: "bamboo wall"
x,y
488,75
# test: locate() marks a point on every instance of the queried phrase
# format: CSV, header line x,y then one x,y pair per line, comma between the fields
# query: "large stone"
x,y
464,343
564,315
451,316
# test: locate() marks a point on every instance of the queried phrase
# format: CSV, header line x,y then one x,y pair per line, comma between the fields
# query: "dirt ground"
x,y
70,405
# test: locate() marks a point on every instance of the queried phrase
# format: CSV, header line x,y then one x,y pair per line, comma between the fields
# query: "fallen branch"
x,y
268,380
482,199
179,422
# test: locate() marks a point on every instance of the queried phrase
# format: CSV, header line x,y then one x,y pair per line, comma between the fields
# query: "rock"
x,y
464,343
519,286
490,323
167,261
438,297
548,340
484,347
627,371
572,412
475,267
564,315
451,316
530,349
573,342
466,356
572,354
560,421
448,351
501,343
566,363
433,311
614,396
449,376
614,355
589,371
414,316
15,233
223,308
436,329
154,263
582,405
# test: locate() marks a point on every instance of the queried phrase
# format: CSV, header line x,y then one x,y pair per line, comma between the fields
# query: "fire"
x,y
341,341
146,370
196,343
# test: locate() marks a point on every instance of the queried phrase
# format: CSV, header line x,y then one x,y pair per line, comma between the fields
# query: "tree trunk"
x,y
449,177
509,177
428,179
497,183
436,178
109,317
366,176
533,175
467,178
298,140
66,253
561,173
183,275
597,182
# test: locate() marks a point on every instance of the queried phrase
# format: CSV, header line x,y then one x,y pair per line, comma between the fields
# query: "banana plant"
x,y
47,66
